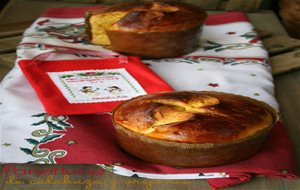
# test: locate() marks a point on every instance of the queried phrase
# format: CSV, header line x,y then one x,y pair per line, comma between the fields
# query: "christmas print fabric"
x,y
231,59
67,87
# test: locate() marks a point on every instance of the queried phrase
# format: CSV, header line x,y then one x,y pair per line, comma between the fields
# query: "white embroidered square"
x,y
92,86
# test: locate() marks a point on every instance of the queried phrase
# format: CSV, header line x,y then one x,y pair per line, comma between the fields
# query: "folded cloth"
x,y
68,87
274,159
231,59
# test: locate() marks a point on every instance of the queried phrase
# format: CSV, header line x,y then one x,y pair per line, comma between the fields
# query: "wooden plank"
x,y
280,44
285,62
9,44
110,2
222,4
267,20
3,71
8,60
5,34
263,34
244,5
30,9
205,4
14,29
5,10
81,1
287,91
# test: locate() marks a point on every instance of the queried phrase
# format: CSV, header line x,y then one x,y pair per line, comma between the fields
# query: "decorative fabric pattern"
x,y
230,58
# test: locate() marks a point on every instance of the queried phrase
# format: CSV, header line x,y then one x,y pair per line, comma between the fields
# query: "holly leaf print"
x,y
109,167
220,49
55,127
50,138
39,123
39,115
135,176
32,141
249,35
212,45
64,124
66,76
26,150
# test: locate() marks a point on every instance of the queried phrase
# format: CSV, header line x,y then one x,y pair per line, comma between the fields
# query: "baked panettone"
x,y
146,29
192,128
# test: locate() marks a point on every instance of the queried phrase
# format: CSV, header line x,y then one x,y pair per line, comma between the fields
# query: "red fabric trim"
x,y
56,104
96,143
224,18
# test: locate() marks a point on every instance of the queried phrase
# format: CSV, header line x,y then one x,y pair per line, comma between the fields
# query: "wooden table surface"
x,y
285,58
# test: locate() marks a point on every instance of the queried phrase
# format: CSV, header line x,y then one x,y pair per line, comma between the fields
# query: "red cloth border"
x,y
225,18
275,158
56,104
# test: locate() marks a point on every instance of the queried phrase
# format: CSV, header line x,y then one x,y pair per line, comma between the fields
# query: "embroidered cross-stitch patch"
x,y
90,86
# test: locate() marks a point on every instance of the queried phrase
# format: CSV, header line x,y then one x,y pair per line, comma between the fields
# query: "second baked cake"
x,y
146,29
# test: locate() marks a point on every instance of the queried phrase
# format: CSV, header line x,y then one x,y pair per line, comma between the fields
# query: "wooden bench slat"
x,y
280,44
285,62
244,5
81,1
9,44
14,29
8,60
110,2
11,33
205,4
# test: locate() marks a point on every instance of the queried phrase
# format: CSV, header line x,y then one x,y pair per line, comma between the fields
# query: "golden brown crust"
x,y
169,17
194,117
154,29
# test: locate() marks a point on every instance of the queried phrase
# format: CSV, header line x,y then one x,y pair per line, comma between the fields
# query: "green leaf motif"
x,y
39,115
55,127
32,141
249,35
66,76
50,138
109,167
211,42
39,123
26,150
220,49
135,175
64,124
113,73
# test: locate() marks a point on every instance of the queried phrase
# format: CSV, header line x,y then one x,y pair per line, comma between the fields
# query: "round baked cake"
x,y
192,128
151,29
